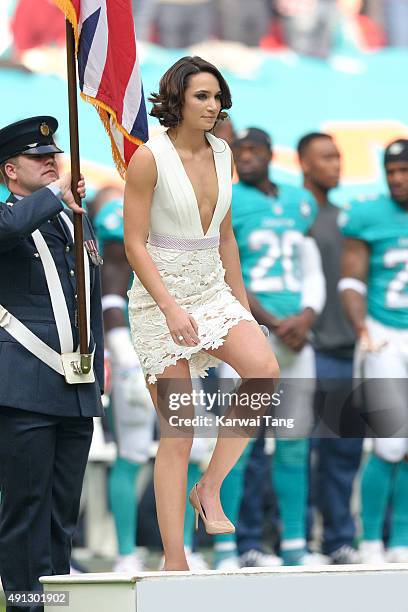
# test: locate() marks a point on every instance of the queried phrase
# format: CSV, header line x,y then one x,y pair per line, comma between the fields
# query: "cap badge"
x,y
44,129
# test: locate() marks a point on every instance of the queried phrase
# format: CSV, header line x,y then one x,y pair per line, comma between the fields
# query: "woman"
x,y
188,307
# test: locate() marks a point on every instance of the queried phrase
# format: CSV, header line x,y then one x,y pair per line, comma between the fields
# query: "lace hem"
x,y
196,279
200,361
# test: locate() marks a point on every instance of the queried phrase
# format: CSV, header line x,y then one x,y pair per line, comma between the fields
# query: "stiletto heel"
x,y
196,518
211,527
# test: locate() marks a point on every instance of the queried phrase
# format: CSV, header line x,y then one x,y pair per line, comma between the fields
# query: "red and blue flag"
x,y
109,71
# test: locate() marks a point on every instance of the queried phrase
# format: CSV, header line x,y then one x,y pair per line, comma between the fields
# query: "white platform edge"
x,y
115,578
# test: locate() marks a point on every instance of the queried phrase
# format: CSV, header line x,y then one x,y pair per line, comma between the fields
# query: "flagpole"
x,y
75,176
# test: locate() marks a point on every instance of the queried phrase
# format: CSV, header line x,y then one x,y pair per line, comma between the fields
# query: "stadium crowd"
x,y
311,27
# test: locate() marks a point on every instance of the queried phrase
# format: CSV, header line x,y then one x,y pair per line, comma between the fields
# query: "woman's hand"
x,y
182,326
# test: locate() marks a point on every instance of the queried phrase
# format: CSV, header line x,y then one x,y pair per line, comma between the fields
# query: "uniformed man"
x,y
46,401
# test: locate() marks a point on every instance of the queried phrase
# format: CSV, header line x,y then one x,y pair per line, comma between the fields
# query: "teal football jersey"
x,y
108,223
383,224
268,231
4,193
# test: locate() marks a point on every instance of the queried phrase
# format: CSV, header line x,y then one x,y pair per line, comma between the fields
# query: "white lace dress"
x,y
189,264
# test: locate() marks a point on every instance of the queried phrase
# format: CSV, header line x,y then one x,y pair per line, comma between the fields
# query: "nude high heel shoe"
x,y
211,527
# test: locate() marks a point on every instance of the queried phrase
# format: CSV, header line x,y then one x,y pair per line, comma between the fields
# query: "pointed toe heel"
x,y
211,527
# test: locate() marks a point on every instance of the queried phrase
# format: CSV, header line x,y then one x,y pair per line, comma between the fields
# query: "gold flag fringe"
x,y
67,8
106,114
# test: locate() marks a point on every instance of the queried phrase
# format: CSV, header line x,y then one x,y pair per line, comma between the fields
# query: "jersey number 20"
x,y
280,248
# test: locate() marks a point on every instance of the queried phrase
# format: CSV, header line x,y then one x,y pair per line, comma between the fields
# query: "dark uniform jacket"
x,y
25,381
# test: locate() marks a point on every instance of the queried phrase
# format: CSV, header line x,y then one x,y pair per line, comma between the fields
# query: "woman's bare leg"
x,y
170,477
256,361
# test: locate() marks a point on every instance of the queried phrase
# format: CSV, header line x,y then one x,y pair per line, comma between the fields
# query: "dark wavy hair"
x,y
168,103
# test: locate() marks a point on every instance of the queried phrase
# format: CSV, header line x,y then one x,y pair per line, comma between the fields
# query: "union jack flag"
x,y
108,69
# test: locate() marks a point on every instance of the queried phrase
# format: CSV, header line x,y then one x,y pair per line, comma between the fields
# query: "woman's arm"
x,y
229,254
141,179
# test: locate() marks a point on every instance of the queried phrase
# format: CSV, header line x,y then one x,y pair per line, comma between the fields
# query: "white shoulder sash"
x,y
66,364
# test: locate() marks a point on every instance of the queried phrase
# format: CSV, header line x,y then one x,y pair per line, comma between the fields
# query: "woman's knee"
x,y
265,366
177,447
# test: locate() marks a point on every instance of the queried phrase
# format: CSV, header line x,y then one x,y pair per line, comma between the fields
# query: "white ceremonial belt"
x,y
30,341
65,364
68,363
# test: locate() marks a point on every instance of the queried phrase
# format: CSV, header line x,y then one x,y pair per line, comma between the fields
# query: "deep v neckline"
x,y
190,184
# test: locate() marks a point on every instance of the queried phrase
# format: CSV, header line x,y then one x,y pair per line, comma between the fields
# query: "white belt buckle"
x,y
71,364
5,317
